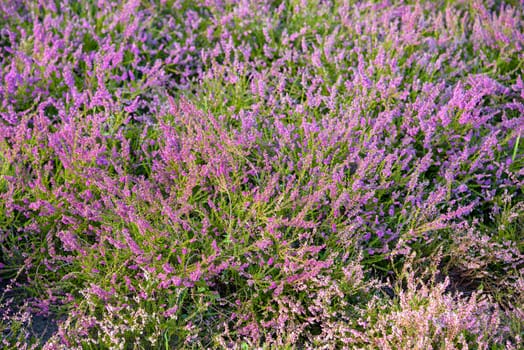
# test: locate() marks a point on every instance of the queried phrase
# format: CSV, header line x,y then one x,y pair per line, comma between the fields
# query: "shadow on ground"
x,y
36,328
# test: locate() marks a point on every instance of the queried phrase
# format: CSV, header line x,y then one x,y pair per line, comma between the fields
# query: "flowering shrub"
x,y
261,174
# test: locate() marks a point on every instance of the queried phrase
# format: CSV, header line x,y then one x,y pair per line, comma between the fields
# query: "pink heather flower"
x,y
195,275
99,292
171,311
168,268
69,241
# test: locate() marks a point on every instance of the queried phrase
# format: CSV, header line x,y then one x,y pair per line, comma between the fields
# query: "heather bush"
x,y
261,174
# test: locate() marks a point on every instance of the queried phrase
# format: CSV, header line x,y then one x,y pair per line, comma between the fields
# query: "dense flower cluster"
x,y
262,174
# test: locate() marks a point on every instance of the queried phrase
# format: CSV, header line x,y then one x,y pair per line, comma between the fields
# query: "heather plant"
x,y
262,174
424,316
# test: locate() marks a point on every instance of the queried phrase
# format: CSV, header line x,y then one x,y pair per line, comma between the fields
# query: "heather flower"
x,y
213,174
